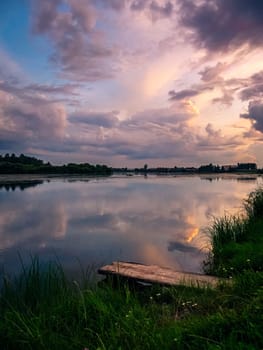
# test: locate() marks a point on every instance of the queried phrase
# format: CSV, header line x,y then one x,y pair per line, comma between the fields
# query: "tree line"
x,y
22,164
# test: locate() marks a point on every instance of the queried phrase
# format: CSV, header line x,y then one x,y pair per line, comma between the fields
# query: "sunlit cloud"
x,y
192,235
168,88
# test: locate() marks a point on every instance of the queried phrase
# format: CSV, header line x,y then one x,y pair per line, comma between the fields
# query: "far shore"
x,y
24,178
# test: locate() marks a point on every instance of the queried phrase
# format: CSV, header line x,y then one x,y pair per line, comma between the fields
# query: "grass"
x,y
43,309
237,241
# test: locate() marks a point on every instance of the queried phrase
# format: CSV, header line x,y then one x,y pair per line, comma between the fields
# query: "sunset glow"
x,y
129,82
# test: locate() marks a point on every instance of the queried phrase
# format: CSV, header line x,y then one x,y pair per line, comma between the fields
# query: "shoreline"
x,y
29,177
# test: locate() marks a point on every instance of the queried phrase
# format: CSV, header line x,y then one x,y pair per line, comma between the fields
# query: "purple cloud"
x,y
188,93
22,90
226,99
106,120
177,112
116,5
80,50
180,95
220,25
28,120
255,115
249,88
34,122
209,74
139,5
153,8
152,135
159,11
254,91
254,87
34,93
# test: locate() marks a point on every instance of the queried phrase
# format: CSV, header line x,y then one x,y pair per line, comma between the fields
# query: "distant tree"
x,y
31,165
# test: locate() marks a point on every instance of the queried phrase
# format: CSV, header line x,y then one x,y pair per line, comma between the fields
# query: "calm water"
x,y
154,220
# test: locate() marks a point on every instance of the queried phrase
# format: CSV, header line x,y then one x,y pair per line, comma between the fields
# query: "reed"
x,y
237,241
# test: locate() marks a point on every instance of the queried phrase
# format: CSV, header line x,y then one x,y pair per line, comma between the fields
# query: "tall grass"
x,y
254,205
237,241
42,309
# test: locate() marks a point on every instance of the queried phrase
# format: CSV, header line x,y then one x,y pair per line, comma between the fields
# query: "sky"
x,y
129,82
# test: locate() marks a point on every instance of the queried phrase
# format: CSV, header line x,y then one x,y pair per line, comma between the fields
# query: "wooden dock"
x,y
157,275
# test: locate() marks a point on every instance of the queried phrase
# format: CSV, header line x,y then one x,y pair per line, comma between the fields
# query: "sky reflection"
x,y
157,220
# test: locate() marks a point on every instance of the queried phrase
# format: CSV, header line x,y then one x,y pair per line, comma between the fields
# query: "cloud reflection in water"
x,y
154,221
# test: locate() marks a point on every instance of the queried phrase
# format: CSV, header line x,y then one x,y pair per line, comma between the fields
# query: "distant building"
x,y
246,166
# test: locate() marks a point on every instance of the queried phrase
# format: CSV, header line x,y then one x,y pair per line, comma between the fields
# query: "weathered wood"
x,y
157,275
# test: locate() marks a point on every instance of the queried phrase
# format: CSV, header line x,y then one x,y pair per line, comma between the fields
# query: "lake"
x,y
93,221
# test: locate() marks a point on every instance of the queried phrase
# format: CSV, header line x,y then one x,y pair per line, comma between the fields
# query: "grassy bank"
x,y
42,309
237,241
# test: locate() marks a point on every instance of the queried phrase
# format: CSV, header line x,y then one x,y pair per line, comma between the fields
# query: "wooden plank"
x,y
157,274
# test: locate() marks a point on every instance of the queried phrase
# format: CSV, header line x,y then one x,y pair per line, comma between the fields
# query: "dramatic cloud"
x,y
32,122
184,94
254,91
27,90
80,50
180,95
158,12
255,115
106,120
29,121
221,25
39,94
62,83
209,74
177,112
113,4
255,88
152,136
246,89
66,89
210,79
154,9
226,99
215,140
139,5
